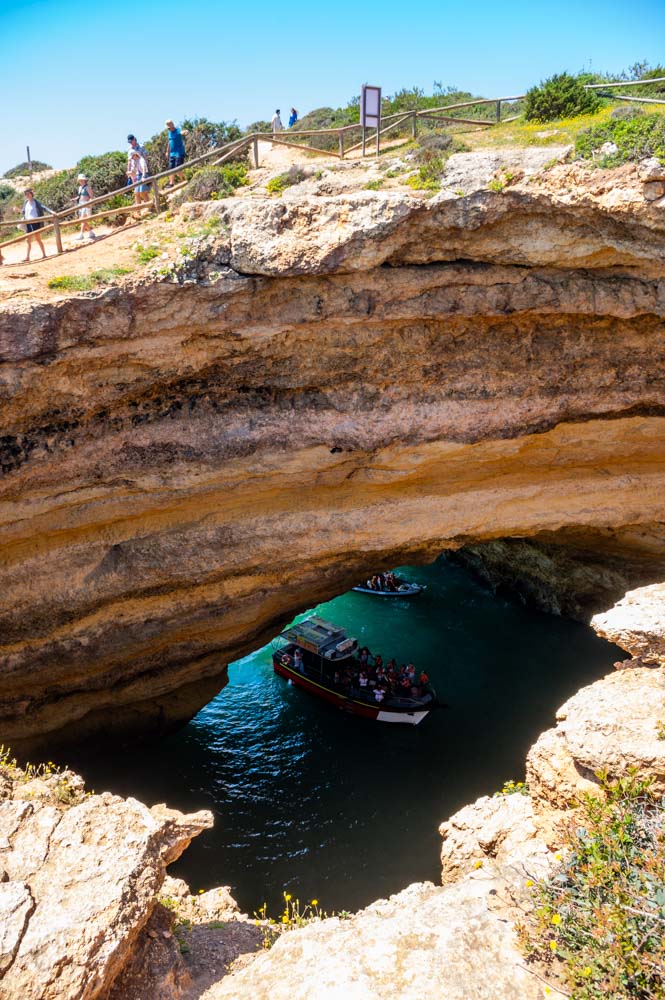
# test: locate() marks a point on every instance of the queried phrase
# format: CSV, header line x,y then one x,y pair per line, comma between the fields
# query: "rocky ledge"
x,y
314,386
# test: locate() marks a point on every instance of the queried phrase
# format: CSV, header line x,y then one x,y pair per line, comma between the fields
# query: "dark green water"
x,y
346,810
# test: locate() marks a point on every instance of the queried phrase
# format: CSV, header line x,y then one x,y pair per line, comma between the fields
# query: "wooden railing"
x,y
57,221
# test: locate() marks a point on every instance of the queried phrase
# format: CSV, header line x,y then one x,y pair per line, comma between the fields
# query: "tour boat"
x,y
326,649
404,590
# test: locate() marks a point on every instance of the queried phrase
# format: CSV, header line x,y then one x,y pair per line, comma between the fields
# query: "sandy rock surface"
x,y
426,941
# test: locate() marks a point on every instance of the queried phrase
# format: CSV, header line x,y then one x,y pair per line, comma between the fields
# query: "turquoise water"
x,y
309,800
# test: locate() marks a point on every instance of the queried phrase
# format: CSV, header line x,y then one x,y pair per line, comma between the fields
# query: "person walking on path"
x,y
137,170
135,147
293,117
33,209
276,123
83,196
176,149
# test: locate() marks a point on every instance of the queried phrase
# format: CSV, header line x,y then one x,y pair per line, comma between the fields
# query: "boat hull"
x,y
413,591
380,713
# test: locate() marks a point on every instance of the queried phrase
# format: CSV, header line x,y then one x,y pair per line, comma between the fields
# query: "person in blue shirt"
x,y
176,149
293,117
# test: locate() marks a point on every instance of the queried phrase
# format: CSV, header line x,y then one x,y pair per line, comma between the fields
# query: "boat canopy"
x,y
321,637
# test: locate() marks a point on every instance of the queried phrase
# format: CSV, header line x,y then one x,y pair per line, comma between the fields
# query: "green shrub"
x,y
107,172
561,96
294,175
636,139
23,169
599,918
626,112
58,191
202,135
213,182
6,192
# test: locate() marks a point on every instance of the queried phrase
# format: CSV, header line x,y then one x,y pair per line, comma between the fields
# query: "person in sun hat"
x,y
83,196
135,147
176,148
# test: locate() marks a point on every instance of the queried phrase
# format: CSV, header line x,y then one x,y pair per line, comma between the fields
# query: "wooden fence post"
x,y
341,145
414,125
256,154
155,196
56,233
498,111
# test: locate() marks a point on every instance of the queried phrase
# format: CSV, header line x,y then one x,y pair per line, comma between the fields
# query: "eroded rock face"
x,y
609,726
83,873
637,624
331,384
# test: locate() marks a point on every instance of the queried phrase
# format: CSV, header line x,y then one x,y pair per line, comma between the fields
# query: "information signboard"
x,y
370,107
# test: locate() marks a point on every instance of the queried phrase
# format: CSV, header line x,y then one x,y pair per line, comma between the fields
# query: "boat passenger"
x,y
298,660
378,662
363,656
424,679
379,695
362,680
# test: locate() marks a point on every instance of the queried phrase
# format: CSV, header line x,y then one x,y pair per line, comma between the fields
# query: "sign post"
x,y
370,112
27,149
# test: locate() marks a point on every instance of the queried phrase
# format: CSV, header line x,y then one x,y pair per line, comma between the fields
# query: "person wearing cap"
x,y
176,149
276,123
135,147
83,196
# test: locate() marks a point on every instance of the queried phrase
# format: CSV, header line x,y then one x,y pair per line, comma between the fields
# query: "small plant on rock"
x,y
599,917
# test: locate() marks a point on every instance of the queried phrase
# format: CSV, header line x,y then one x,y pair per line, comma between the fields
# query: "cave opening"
x,y
345,810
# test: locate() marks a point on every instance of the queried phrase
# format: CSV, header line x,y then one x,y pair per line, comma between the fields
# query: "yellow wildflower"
x,y
287,896
478,864
315,902
553,945
529,882
285,919
556,919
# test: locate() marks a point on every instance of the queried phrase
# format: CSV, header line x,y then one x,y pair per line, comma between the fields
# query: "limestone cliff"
x,y
321,384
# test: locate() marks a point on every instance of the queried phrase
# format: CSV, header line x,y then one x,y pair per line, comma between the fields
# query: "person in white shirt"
x,y
137,170
83,196
33,209
276,123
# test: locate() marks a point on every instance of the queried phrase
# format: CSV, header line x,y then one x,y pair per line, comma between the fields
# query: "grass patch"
x,y
87,282
599,917
277,185
374,185
145,254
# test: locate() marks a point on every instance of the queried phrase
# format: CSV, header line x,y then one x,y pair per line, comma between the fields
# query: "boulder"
x,y
610,726
651,170
82,883
637,624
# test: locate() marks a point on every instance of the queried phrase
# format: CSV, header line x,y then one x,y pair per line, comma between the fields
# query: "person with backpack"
x,y
33,209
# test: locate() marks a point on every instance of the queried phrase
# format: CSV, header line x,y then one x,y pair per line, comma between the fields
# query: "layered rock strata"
x,y
326,385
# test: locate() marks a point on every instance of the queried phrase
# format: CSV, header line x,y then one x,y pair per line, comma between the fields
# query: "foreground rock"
x,y
82,874
426,941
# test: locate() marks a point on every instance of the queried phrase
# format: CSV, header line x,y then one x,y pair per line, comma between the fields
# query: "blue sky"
x,y
75,78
